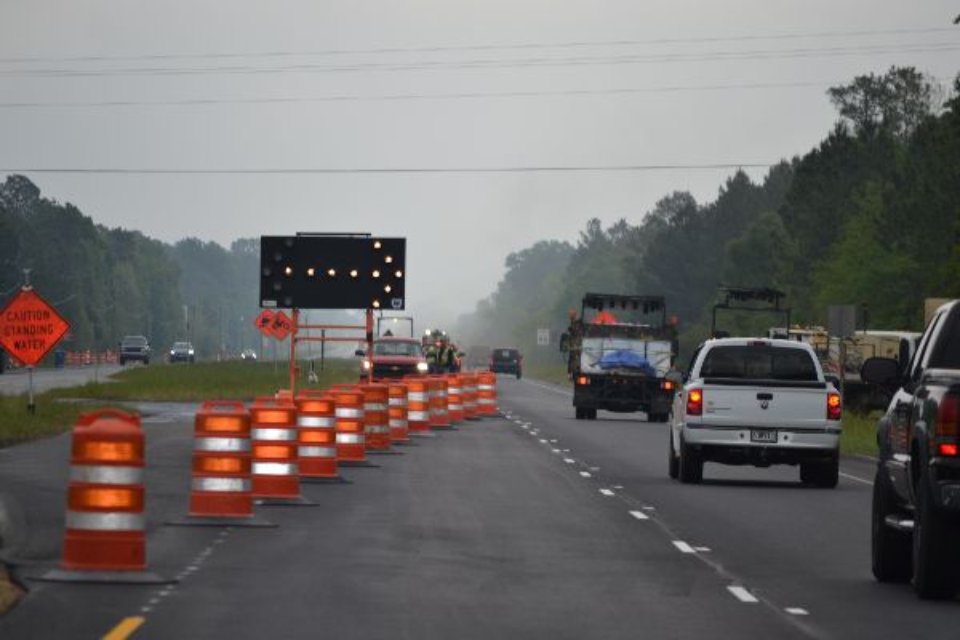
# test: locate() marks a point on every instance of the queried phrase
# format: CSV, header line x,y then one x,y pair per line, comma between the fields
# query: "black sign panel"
x,y
332,272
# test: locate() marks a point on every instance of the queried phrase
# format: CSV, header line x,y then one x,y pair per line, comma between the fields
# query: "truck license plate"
x,y
763,435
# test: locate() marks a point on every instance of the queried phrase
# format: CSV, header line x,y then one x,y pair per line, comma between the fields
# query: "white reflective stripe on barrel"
x,y
101,474
274,434
487,401
317,452
315,421
111,521
417,396
455,407
229,485
374,406
398,423
417,415
222,444
486,387
351,438
377,428
349,412
275,469
398,402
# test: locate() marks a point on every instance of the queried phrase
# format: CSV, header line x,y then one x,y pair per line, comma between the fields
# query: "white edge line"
x,y
683,547
549,388
855,478
606,492
639,515
797,611
586,474
742,594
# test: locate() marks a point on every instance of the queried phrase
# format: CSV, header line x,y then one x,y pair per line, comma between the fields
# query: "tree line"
x,y
869,217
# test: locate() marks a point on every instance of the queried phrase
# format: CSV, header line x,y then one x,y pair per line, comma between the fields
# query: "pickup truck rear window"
x,y
759,363
947,351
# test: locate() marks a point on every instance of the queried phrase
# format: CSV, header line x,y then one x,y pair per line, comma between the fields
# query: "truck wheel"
x,y
591,414
673,463
935,557
821,474
579,413
691,464
890,550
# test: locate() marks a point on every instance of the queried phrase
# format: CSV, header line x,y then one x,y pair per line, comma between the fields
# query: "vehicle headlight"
x,y
190,352
422,366
171,353
366,365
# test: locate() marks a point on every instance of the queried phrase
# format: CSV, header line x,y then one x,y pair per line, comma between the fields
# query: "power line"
x,y
482,47
715,56
417,96
391,170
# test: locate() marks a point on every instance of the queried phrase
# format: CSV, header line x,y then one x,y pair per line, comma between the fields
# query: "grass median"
x,y
859,435
57,410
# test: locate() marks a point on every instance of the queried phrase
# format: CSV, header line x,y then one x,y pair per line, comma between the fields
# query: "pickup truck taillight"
x,y
834,406
695,403
948,425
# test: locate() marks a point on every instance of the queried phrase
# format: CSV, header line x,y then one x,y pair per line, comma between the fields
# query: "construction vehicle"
x,y
617,364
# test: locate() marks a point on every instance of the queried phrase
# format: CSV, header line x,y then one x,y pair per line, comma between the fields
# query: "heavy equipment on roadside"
x,y
620,364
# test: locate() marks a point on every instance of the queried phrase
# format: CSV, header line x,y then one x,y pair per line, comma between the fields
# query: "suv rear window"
x,y
134,341
506,354
758,362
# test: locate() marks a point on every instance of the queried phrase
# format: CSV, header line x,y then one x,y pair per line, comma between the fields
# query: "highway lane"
x,y
477,533
14,382
791,546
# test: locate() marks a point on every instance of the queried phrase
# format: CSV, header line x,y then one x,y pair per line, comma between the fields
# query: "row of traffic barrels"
x,y
245,455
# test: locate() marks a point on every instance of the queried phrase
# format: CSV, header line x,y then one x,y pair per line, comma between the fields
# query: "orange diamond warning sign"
x,y
29,327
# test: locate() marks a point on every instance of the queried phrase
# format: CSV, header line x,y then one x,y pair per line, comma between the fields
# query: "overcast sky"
x,y
451,84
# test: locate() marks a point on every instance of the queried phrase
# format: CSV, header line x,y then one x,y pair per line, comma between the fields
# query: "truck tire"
x,y
591,414
691,464
890,550
821,474
673,463
936,561
578,412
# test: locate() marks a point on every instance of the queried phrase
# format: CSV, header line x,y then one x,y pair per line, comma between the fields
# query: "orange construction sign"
x,y
30,328
282,326
264,322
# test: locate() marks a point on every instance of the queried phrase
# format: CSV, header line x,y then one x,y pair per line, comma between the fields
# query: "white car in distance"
x,y
754,401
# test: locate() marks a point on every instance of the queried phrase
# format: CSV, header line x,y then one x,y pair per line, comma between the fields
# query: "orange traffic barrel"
x,y
317,436
418,406
351,433
397,413
376,398
439,414
487,393
276,471
105,539
470,405
455,398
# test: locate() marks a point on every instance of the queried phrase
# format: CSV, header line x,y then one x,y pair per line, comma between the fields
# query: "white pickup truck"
x,y
758,402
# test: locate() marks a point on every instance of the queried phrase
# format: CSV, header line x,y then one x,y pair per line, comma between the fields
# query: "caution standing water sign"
x,y
30,328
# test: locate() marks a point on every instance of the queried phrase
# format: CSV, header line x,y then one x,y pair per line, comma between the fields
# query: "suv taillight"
x,y
695,403
948,425
834,406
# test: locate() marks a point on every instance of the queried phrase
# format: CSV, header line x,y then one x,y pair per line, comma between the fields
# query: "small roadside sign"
x,y
543,337
282,326
264,322
30,328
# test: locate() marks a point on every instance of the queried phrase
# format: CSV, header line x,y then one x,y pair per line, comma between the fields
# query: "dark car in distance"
x,y
181,352
506,361
134,348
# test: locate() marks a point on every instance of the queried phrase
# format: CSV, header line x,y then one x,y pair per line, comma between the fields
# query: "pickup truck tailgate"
x,y
767,406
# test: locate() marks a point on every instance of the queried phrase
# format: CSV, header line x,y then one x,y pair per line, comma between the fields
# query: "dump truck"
x,y
619,350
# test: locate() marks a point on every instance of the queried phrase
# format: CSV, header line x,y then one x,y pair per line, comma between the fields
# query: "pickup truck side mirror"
x,y
883,372
833,379
564,342
360,352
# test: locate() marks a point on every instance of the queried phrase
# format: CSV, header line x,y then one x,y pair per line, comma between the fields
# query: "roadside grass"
x,y
235,380
859,435
554,373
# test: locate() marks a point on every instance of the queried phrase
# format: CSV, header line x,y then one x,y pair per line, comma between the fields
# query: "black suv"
x,y
181,352
915,532
134,348
506,361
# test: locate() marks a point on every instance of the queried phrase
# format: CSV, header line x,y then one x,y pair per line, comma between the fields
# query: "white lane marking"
x,y
639,515
606,492
569,460
701,549
742,594
649,508
548,388
855,478
586,474
797,611
543,441
683,547
555,450
554,440
618,486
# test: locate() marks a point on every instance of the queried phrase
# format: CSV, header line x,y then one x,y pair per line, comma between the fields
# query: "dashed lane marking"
x,y
569,460
125,628
683,547
855,478
586,474
702,549
639,515
607,492
797,611
742,594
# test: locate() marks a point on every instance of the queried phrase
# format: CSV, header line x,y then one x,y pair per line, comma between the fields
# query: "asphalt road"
x,y
529,526
14,382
